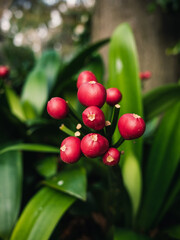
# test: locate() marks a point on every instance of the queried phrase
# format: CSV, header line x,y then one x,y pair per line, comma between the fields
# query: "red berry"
x,y
70,150
145,75
93,117
92,94
111,157
94,145
85,77
57,108
114,96
4,71
131,126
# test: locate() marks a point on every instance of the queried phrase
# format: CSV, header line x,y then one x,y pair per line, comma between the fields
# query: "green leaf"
x,y
160,100
47,167
35,90
75,64
15,104
174,232
71,181
128,235
124,74
10,190
41,215
161,167
29,147
50,63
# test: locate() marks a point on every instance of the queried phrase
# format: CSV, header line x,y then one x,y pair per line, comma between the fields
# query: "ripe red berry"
x,y
4,71
111,157
85,77
92,94
145,75
93,117
94,145
57,108
131,126
114,96
70,150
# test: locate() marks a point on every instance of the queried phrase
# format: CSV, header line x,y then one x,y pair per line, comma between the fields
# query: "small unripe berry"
x,y
4,71
84,77
114,96
93,117
92,94
57,108
70,150
94,145
131,126
111,157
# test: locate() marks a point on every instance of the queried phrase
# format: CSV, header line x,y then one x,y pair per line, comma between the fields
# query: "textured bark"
x,y
154,32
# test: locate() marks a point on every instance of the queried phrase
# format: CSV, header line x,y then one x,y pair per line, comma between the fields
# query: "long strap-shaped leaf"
x,y
41,215
123,74
161,167
160,99
10,190
128,235
29,147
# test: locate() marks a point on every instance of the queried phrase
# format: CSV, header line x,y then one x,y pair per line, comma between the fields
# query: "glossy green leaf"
x,y
47,167
63,182
124,74
28,147
128,235
174,232
10,190
15,104
161,167
41,215
35,90
160,100
75,64
50,63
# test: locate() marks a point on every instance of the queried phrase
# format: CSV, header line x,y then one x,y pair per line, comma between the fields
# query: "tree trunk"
x,y
154,32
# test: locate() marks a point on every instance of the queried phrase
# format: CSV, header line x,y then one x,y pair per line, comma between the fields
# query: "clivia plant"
x,y
101,176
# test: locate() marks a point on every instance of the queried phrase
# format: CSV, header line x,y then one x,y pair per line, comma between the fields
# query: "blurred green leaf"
x,y
50,63
77,62
124,74
15,104
47,167
160,99
35,90
10,190
71,181
174,50
174,232
28,147
41,215
128,235
161,166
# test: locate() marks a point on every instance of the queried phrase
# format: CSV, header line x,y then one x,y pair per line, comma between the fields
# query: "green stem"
x,y
66,130
119,142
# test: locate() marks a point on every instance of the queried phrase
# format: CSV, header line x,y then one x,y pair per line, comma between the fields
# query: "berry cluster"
x,y
95,138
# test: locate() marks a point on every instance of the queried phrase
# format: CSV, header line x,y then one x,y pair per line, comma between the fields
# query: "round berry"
x,y
111,157
131,126
92,94
145,75
57,108
93,117
114,96
4,71
70,150
94,145
85,77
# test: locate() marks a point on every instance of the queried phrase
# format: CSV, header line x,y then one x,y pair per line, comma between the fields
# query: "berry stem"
x,y
66,130
119,142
